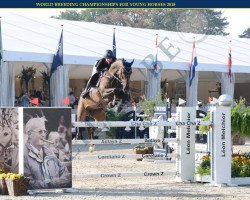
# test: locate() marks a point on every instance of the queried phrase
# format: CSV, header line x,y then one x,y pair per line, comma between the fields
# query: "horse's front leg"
x,y
81,115
112,103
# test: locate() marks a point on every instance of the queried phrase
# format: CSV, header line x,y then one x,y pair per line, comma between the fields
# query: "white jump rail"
x,y
124,174
124,141
185,133
123,156
103,124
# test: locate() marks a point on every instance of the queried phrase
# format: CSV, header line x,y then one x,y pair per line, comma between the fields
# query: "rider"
x,y
99,68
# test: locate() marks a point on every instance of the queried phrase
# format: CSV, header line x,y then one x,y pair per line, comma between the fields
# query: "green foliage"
x,y
27,74
147,106
245,34
240,165
204,167
216,23
12,176
139,147
240,118
46,81
203,170
69,15
204,128
112,115
3,175
203,21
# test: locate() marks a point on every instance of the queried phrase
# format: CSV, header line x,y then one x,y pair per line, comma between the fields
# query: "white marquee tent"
x,y
27,40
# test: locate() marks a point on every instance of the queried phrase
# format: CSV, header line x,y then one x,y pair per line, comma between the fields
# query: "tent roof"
x,y
27,39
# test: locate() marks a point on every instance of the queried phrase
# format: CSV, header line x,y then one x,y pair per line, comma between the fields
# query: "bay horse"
x,y
113,86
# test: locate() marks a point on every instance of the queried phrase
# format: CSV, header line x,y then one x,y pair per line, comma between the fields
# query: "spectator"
x,y
25,100
56,147
72,99
41,166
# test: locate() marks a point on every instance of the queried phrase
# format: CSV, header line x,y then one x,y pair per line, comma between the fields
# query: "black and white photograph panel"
x,y
9,140
47,147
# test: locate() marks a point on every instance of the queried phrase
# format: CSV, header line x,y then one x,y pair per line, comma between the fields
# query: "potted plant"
x,y
46,81
240,122
17,184
3,171
240,167
141,149
26,75
3,186
147,106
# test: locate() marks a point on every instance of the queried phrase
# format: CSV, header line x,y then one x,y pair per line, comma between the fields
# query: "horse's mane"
x,y
118,63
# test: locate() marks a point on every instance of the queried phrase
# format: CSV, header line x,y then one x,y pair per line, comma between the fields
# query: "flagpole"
x,y
114,43
155,65
230,61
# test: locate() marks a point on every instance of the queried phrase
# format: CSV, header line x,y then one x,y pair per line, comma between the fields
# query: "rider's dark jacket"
x,y
101,66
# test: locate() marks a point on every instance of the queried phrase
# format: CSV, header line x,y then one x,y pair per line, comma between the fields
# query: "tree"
x,y
46,82
205,21
69,15
119,17
245,34
26,75
216,23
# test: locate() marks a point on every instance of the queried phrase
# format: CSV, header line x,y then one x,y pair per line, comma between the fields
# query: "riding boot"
x,y
87,89
91,83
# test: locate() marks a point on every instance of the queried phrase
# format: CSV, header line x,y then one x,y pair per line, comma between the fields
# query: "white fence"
x,y
185,138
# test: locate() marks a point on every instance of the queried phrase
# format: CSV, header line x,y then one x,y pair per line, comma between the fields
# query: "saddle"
x,y
93,82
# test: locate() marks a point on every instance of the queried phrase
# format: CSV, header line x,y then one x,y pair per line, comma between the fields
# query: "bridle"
x,y
112,77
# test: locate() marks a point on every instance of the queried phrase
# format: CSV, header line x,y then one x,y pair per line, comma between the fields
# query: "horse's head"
x,y
6,135
122,70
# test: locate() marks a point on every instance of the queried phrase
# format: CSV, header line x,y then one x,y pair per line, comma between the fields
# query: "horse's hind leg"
x,y
90,131
81,114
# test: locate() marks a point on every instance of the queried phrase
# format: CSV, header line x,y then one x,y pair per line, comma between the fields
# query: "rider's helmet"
x,y
109,54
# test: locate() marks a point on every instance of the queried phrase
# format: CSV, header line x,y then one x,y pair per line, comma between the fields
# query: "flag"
x,y
114,44
229,63
155,52
58,57
66,101
193,64
34,101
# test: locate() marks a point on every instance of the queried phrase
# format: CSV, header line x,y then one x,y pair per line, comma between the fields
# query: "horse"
x,y
9,148
113,86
